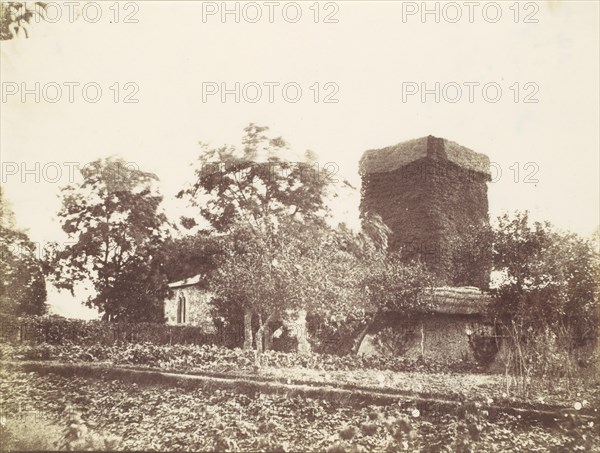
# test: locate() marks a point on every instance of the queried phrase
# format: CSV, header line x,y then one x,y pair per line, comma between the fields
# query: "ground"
x,y
159,418
43,409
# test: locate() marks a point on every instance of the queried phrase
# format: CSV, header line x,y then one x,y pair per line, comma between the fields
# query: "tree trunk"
x,y
422,340
360,338
259,345
302,333
268,334
260,338
247,329
363,334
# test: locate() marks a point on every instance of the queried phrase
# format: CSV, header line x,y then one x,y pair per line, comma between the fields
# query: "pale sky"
x,y
371,57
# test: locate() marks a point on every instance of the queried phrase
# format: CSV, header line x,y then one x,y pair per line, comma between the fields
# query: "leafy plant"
x,y
115,226
22,285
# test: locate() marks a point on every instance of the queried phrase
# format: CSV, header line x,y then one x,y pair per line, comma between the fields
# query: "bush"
x,y
57,330
337,336
537,351
218,358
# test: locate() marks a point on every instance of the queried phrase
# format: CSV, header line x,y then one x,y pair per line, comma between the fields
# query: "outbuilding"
x,y
443,331
189,304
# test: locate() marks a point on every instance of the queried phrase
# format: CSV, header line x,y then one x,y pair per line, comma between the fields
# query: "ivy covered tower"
x,y
430,192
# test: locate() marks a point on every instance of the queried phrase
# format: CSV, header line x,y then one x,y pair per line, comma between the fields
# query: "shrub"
x,y
57,330
339,335
537,353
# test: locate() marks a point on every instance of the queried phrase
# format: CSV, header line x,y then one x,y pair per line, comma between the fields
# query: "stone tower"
x,y
428,191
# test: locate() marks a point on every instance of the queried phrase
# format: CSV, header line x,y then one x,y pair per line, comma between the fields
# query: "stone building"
x,y
189,304
428,191
443,334
431,192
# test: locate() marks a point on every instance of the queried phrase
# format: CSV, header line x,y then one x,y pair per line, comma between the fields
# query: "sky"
x,y
517,83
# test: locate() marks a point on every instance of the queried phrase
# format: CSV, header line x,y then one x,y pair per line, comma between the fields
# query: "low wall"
x,y
443,338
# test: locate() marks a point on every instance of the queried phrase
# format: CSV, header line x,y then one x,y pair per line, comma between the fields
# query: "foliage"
x,y
265,204
296,267
16,17
22,284
58,330
115,227
156,417
547,303
279,254
470,252
549,277
536,354
212,357
339,334
190,255
392,285
485,347
390,340
252,185
77,436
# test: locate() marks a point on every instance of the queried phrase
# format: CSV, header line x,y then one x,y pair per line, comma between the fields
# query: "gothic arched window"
x,y
181,309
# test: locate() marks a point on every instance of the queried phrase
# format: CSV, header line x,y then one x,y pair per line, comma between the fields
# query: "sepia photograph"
x,y
300,226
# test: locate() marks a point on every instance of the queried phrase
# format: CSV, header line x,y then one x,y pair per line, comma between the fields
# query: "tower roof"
x,y
393,157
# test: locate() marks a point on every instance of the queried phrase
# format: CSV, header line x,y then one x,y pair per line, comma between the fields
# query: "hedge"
x,y
58,330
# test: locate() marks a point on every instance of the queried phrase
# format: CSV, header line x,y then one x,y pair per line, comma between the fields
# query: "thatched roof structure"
x,y
465,300
396,156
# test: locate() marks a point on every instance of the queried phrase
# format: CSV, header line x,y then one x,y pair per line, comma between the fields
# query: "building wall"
x,y
197,307
442,338
426,203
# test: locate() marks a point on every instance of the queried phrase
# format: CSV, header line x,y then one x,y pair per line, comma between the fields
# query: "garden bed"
x,y
350,372
126,415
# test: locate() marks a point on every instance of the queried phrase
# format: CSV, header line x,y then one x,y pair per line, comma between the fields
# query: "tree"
x,y
395,286
115,228
299,267
16,17
248,193
187,256
22,284
549,277
374,283
256,184
470,252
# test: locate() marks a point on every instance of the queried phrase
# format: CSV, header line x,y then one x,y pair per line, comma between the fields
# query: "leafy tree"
x,y
16,17
256,184
22,284
469,253
298,267
186,256
394,286
115,229
549,277
249,192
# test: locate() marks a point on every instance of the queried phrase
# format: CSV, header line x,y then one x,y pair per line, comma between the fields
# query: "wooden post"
x,y
422,340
